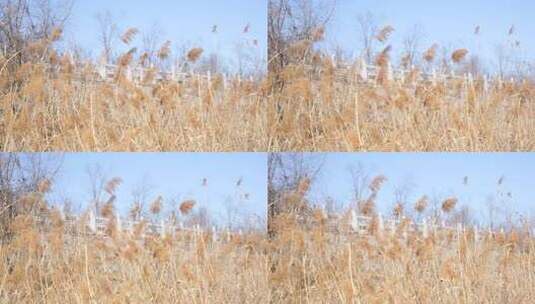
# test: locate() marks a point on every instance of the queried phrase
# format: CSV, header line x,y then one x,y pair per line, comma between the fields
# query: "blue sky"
x,y
183,22
176,176
437,175
449,23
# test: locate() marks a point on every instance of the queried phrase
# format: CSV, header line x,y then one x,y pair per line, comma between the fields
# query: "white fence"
x,y
361,71
145,75
360,225
98,225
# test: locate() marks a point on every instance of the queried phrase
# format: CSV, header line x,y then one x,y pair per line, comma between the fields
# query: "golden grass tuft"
x,y
186,206
458,55
194,54
449,204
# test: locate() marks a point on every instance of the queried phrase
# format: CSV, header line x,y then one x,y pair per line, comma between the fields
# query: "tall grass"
x,y
319,257
46,264
326,104
56,102
50,257
316,265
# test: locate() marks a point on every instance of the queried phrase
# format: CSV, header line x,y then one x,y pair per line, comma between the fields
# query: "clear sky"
x,y
450,23
177,176
437,175
183,22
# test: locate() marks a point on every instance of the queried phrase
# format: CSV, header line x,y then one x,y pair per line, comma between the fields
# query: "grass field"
x,y
47,256
53,102
317,265
320,111
321,257
48,265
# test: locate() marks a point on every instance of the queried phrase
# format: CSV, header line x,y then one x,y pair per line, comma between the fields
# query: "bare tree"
x,y
211,63
26,22
151,40
140,196
285,172
291,21
463,215
368,32
411,46
402,194
108,34
24,176
97,181
473,66
360,178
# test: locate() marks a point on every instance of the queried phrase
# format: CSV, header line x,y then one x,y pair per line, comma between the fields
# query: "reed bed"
x,y
49,265
321,111
325,257
48,256
54,102
316,265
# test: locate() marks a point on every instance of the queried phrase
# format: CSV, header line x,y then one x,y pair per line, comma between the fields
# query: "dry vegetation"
x,y
315,265
323,101
50,257
326,112
59,104
319,258
41,265
54,97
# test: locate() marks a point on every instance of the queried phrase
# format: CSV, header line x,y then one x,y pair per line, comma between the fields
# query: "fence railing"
x,y
141,75
360,225
98,225
361,71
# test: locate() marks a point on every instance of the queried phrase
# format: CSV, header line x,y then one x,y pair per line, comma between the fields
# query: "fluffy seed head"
x,y
186,206
459,55
194,54
449,204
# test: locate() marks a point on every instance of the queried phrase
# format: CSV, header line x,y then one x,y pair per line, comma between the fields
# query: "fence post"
x,y
459,231
425,229
380,225
476,233
389,72
162,228
173,72
92,221
119,224
129,73
214,234
323,213
470,79
354,222
363,69
102,71
434,77
392,227
405,232
61,214
142,230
